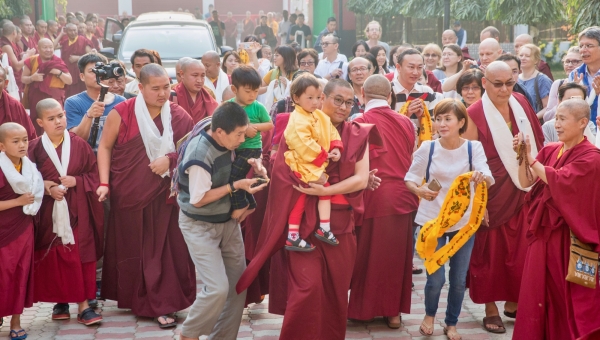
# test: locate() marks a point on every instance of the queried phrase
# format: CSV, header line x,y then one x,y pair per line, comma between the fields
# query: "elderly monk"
x,y
489,51
72,47
69,232
41,31
18,206
45,76
27,41
498,254
381,282
322,276
190,92
11,110
217,79
542,66
8,41
147,267
564,184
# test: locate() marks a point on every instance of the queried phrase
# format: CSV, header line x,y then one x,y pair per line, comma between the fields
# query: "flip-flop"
x,y
16,335
427,327
167,325
512,315
452,335
494,320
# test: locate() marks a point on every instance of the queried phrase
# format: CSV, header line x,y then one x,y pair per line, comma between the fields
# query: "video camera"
x,y
111,71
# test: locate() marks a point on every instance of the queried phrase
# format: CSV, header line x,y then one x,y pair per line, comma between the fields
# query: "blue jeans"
x,y
459,264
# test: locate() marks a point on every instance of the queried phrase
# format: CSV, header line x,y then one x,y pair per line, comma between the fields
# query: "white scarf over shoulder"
x,y
503,138
222,84
61,221
155,144
28,181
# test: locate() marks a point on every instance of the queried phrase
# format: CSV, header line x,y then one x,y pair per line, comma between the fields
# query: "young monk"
x,y
21,191
69,231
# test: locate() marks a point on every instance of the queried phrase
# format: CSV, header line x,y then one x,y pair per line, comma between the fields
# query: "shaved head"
x,y
26,21
181,61
71,25
489,50
152,70
45,41
521,40
449,37
576,107
190,62
211,56
40,22
495,67
7,128
490,43
8,29
45,105
377,87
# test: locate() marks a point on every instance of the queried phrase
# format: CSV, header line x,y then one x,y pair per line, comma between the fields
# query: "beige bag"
x,y
583,264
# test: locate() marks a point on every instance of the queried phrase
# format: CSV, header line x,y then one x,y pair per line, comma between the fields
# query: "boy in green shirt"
x,y
245,82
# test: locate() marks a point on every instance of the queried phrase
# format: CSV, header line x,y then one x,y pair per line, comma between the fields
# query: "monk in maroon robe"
x,y
16,234
14,52
11,110
41,31
147,266
72,47
45,76
27,42
191,94
66,273
381,283
89,34
498,254
561,202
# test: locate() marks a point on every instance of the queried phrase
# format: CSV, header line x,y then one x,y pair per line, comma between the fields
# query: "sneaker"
x,y
295,245
60,311
88,317
326,236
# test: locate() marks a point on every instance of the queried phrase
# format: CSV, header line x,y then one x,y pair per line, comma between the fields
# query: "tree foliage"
x,y
532,12
423,9
376,7
13,8
472,10
583,14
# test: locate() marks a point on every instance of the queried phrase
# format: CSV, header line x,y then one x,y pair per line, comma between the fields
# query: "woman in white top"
x,y
449,159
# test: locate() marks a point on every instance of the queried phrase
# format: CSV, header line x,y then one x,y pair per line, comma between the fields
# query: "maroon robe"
x,y
147,266
544,68
11,110
17,51
28,43
465,53
249,26
16,254
77,48
39,90
549,306
95,42
68,273
37,37
498,254
203,107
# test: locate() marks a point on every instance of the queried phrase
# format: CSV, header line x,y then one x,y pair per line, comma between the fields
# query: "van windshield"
x,y
171,41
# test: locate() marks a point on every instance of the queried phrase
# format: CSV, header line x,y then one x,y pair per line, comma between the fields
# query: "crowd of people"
x,y
303,174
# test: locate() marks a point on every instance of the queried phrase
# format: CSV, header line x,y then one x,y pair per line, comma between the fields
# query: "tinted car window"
x,y
171,42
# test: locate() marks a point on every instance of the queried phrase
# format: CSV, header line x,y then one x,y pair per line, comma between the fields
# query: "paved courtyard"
x,y
257,323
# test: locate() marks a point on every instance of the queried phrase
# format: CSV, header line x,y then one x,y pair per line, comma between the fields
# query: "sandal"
x,y
60,311
512,315
167,325
296,245
326,236
494,320
392,325
417,270
425,329
89,317
14,335
452,334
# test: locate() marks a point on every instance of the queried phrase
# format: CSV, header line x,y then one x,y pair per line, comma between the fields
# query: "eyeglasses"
x,y
572,62
587,46
325,44
508,84
449,55
307,63
337,101
468,89
359,69
431,55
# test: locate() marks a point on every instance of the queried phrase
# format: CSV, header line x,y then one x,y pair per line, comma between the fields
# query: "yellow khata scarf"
x,y
244,57
453,209
426,132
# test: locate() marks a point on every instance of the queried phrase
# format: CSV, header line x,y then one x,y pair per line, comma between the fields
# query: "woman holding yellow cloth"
x,y
444,161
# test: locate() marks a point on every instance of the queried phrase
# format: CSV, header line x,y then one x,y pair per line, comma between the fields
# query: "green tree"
x,y
378,8
475,10
532,12
583,14
13,8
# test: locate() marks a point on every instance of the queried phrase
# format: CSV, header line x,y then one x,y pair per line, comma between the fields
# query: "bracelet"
x,y
531,165
88,116
104,185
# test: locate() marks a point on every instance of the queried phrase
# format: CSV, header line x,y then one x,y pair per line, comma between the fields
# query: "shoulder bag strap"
x,y
470,149
429,162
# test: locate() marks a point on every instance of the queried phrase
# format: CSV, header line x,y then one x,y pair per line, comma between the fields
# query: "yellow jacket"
x,y
310,137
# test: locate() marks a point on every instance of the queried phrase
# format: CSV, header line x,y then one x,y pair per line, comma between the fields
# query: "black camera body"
x,y
110,71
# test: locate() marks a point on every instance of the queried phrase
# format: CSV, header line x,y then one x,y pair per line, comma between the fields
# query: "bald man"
x,y
72,47
53,29
542,65
41,31
11,109
564,184
65,270
90,29
153,283
44,76
498,254
16,58
217,79
450,37
382,279
190,93
27,41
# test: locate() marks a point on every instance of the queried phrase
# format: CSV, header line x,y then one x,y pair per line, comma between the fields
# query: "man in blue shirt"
x,y
589,71
82,108
329,29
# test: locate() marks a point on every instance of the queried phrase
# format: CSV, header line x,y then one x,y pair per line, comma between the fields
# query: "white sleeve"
x,y
480,160
200,183
552,102
418,168
464,42
321,70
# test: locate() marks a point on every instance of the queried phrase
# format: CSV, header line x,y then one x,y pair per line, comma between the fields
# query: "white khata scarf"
x,y
30,181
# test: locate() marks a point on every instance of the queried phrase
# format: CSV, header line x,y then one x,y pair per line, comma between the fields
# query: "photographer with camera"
x,y
84,107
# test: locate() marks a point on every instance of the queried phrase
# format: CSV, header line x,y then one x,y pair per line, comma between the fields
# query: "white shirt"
x,y
445,166
342,56
132,87
325,67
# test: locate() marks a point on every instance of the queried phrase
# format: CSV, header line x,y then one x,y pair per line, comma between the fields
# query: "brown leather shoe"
x,y
392,325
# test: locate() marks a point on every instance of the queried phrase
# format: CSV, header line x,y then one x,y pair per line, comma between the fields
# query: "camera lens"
x,y
118,71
